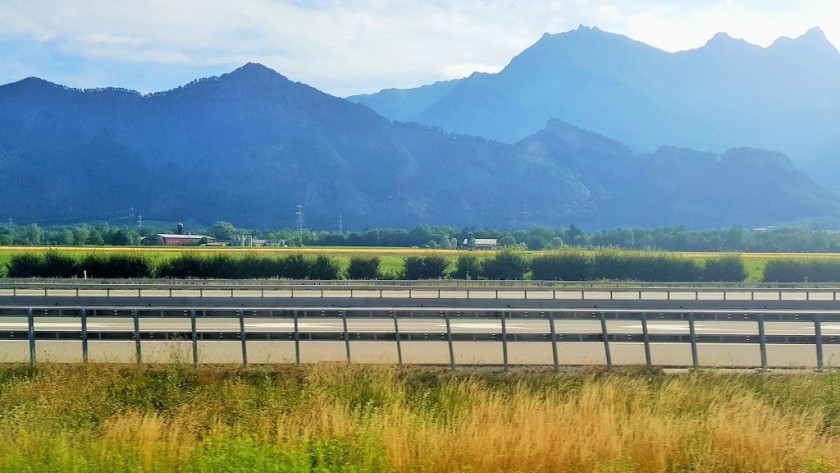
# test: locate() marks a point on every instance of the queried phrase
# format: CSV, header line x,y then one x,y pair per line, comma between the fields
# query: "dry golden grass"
x,y
382,419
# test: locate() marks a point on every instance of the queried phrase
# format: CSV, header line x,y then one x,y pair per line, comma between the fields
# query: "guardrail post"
x,y
84,336
242,337
606,337
762,342
449,340
346,333
194,337
554,354
646,340
297,338
695,362
397,336
504,341
818,339
138,353
31,321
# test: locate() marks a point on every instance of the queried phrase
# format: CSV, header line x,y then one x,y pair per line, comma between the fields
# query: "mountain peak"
x,y
815,33
724,40
813,40
254,66
255,69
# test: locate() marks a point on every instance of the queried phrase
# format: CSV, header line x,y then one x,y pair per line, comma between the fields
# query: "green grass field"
x,y
340,418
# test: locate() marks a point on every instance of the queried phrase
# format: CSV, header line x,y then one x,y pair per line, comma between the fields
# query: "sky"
x,y
352,46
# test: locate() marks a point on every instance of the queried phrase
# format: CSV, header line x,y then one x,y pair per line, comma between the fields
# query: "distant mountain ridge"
x,y
728,93
251,145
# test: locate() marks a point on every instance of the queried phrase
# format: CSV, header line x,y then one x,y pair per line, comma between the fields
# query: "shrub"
x,y
295,266
802,270
565,266
118,265
729,268
46,265
508,264
624,265
324,268
185,266
469,266
425,267
26,265
363,267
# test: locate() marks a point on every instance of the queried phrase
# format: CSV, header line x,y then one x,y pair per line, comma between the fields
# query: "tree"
x,y
507,241
223,230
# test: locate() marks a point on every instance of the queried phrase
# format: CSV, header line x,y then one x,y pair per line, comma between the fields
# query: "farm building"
x,y
481,243
172,239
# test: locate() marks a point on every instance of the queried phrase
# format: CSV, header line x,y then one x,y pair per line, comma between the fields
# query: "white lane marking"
x,y
481,325
77,325
674,327
291,325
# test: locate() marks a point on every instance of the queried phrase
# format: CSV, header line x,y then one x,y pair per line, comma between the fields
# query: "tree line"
x,y
732,239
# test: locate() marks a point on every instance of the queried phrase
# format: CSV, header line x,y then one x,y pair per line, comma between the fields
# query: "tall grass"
x,y
328,418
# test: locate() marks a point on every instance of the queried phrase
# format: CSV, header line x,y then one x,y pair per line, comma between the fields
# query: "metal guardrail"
x,y
555,336
496,290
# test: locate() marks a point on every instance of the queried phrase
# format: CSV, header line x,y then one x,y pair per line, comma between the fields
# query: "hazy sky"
x,y
352,46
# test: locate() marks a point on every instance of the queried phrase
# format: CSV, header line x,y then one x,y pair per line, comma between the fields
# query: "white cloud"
x,y
353,46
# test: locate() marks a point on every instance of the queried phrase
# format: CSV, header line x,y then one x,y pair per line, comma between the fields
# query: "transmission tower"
x,y
525,217
340,223
299,216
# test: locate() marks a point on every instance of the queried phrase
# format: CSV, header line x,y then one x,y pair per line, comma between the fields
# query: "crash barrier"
x,y
499,290
48,324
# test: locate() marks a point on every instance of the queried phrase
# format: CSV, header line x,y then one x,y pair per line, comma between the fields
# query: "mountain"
x,y
251,145
725,94
743,186
248,147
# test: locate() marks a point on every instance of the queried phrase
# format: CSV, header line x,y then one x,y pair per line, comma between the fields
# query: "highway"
x,y
535,325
